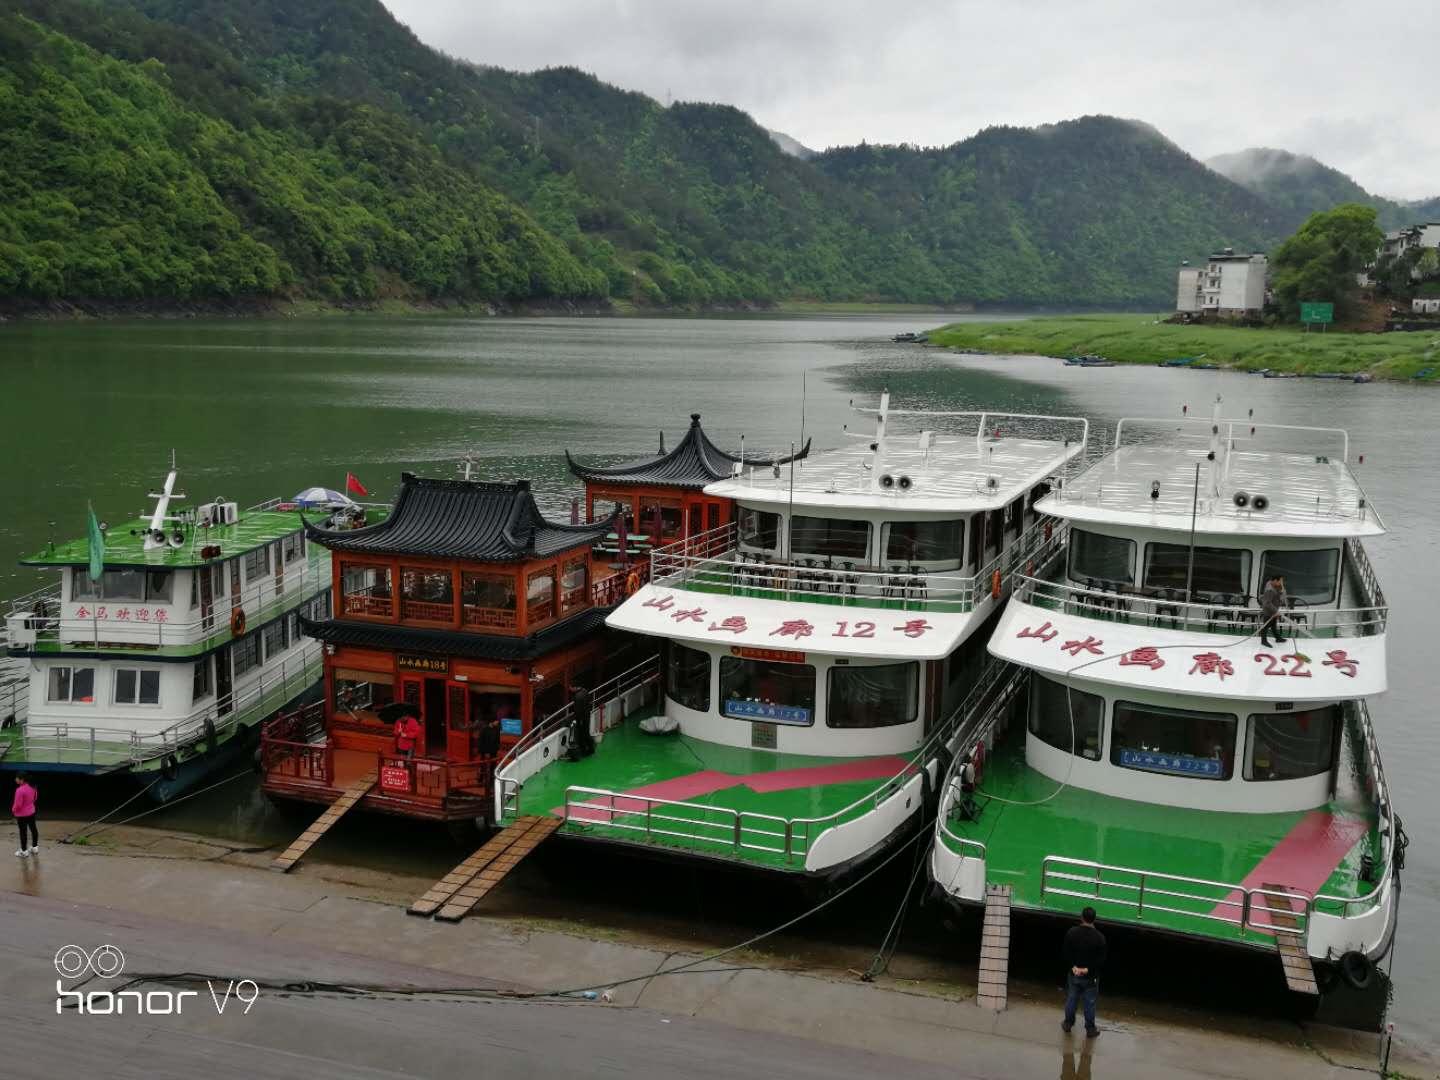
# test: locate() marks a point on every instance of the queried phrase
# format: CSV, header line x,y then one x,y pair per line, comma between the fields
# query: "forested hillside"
x,y
213,149
1297,185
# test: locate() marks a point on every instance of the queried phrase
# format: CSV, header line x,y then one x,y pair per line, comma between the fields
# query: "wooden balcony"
x,y
487,618
427,610
366,604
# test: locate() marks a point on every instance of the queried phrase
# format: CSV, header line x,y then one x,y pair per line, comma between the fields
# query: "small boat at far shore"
x,y
1088,360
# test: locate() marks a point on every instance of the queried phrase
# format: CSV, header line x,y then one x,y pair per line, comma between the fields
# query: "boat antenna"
x,y
802,407
790,517
1190,569
155,534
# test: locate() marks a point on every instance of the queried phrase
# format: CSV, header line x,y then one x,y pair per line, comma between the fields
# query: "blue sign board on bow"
x,y
765,710
1176,764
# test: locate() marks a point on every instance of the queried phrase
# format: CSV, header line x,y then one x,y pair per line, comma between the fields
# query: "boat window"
x,y
113,585
687,678
427,594
873,696
1178,742
487,599
245,654
204,681
1288,746
257,563
292,546
73,684
360,692
994,529
158,585
1110,559
605,502
830,537
277,637
572,585
759,528
137,686
540,595
1309,575
925,541
365,589
664,515
767,690
1217,570
1053,705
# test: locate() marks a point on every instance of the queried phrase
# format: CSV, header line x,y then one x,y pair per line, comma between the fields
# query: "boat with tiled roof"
x,y
820,648
165,643
1173,767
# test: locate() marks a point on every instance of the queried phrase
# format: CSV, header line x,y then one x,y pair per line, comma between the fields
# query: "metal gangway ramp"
x,y
1294,960
455,895
287,859
993,989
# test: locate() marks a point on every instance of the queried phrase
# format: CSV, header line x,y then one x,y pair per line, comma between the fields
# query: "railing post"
x,y
737,832
1244,908
1140,903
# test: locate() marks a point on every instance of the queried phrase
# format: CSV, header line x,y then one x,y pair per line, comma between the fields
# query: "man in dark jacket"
x,y
1085,957
1272,603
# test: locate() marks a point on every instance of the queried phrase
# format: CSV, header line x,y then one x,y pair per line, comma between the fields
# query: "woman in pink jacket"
x,y
24,810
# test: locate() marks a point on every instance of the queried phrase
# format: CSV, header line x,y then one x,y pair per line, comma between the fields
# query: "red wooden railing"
x,y
310,762
428,610
502,618
434,779
365,604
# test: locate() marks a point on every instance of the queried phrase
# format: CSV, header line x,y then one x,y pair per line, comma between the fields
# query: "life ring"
x,y
237,622
995,584
169,767
1356,969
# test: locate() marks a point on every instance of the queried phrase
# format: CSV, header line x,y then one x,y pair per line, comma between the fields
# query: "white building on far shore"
x,y
1227,285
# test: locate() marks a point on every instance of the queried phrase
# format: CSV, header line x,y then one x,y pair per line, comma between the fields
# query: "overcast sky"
x,y
1355,86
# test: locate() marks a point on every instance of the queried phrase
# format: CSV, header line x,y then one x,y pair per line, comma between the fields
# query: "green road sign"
x,y
1311,311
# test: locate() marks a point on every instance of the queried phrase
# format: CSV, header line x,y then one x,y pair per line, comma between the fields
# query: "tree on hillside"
x,y
1322,260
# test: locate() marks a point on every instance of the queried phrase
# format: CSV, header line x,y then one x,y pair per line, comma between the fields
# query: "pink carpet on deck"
x,y
1305,858
678,789
845,772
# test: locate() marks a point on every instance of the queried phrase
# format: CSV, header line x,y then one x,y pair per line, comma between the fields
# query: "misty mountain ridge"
x,y
1301,185
329,152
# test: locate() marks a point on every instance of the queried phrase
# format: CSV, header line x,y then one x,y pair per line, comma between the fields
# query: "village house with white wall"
x,y
1227,286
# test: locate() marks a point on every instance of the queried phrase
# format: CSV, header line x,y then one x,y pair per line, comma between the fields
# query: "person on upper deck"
x,y
1272,603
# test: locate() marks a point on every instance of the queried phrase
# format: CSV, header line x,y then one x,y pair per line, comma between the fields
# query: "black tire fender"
x,y
1356,969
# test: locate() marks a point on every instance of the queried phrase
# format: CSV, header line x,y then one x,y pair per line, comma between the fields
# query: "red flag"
x,y
354,486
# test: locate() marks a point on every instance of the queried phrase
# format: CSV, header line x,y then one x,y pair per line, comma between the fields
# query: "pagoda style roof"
x,y
462,519
695,462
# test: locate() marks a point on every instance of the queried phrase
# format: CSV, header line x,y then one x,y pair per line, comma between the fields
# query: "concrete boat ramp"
x,y
345,985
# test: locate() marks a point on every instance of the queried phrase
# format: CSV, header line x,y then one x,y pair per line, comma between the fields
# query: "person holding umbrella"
x,y
406,718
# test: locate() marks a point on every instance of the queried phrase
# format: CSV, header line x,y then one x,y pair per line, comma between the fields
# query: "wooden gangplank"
x,y
993,989
455,895
1294,960
287,859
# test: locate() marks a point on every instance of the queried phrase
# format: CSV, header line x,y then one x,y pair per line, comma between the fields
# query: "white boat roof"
x,y
1310,494
984,470
1104,652
716,619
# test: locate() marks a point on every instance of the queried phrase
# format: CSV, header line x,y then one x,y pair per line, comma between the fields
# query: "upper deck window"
x,y
1217,570
687,677
1177,742
1066,718
830,537
1288,746
1309,575
883,695
1110,559
759,528
925,541
132,584
767,690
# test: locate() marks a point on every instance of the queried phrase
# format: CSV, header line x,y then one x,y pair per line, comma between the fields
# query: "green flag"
x,y
97,545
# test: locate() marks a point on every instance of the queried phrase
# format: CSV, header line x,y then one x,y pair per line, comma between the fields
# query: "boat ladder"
x,y
993,990
286,860
455,895
1294,960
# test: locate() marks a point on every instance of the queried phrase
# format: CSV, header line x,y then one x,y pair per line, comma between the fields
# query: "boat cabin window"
x,y
759,529
572,584
362,691
75,685
292,546
137,584
687,678
487,599
665,516
204,680
830,537
605,502
1177,742
1217,570
1288,746
277,637
1053,706
994,529
1309,575
540,595
1097,557
427,594
137,686
257,563
767,690
925,541
245,654
365,589
873,696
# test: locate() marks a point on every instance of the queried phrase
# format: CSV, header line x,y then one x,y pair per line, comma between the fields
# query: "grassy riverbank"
x,y
1139,339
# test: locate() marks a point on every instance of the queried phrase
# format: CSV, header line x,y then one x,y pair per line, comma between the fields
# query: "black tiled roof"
x,y
454,642
695,462
462,519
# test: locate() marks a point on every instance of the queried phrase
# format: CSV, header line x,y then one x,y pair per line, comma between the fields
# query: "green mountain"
x,y
161,150
1297,186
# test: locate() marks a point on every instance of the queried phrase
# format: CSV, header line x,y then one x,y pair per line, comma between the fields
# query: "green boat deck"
x,y
769,824
1215,846
125,541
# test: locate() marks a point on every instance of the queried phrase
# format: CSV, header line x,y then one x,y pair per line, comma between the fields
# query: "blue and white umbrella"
x,y
322,496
